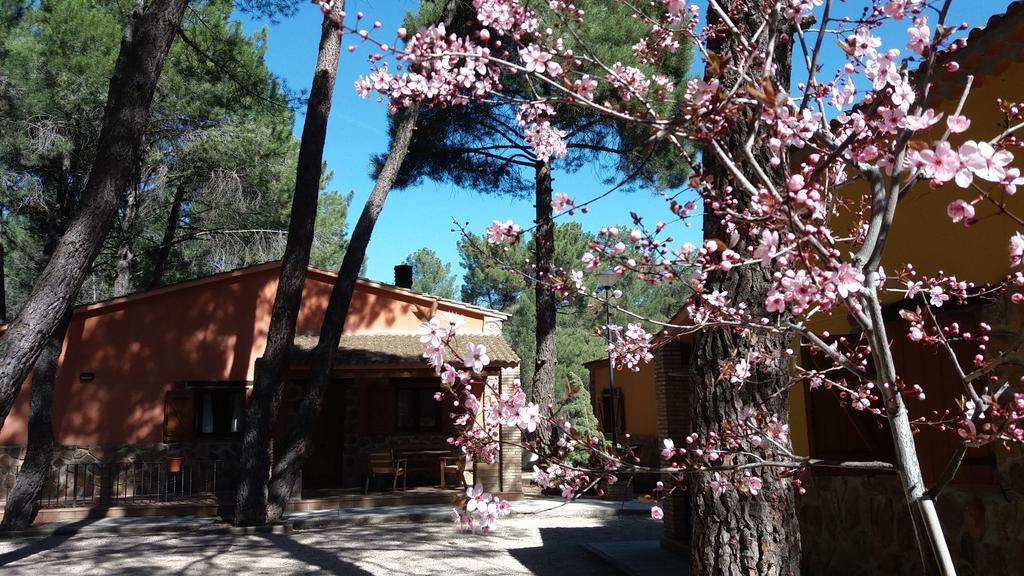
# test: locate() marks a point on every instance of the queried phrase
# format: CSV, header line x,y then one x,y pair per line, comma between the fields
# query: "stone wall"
x,y
859,525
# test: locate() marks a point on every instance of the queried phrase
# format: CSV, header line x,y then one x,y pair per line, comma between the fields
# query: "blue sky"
x,y
422,216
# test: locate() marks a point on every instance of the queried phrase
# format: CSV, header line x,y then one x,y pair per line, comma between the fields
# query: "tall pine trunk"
x,y
163,253
292,454
148,35
3,276
543,385
125,252
736,533
257,447
23,501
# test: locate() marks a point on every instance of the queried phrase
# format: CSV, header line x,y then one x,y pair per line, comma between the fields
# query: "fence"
x,y
130,483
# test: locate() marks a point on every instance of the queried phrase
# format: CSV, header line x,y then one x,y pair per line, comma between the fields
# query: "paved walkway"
x,y
539,507
548,543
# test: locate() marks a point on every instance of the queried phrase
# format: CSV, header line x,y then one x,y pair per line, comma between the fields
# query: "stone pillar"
x,y
672,381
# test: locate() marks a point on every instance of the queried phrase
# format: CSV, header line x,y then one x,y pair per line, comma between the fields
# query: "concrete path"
x,y
640,557
544,544
540,507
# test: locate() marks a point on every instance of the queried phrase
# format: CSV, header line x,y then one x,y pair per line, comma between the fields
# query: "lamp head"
x,y
607,279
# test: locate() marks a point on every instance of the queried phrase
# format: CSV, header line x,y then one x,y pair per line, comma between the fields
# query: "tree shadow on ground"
x,y
43,544
324,560
572,557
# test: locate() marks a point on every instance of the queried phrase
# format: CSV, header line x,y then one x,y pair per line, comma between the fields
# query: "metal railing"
x,y
130,483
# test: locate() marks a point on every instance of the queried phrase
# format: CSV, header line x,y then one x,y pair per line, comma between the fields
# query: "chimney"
x,y
403,276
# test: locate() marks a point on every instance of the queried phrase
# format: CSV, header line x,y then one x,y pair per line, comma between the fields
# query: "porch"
x,y
196,489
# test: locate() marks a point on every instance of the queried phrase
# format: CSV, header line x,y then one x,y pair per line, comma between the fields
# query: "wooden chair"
x,y
453,465
382,462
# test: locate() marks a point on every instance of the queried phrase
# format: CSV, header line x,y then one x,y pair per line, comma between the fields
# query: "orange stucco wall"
x,y
637,393
138,347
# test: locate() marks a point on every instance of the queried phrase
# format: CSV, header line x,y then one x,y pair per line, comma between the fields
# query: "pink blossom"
x,y
529,417
863,42
768,247
740,371
897,9
477,357
960,210
560,202
985,161
926,120
584,87
920,35
537,60
657,513
936,296
1016,249
502,232
669,450
718,485
449,375
958,123
848,280
941,163
775,302
431,333
1011,180
752,484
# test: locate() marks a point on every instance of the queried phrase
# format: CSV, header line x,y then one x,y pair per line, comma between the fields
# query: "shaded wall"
x,y
139,347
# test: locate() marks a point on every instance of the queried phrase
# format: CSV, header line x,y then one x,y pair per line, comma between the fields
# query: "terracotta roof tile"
x,y
406,349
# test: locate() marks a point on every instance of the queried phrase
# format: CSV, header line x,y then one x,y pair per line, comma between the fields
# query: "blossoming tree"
x,y
800,186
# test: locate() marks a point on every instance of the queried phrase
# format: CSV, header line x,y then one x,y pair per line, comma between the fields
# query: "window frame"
x,y
415,387
201,388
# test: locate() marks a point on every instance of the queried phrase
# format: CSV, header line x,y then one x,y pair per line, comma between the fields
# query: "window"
x,y
219,408
416,410
619,417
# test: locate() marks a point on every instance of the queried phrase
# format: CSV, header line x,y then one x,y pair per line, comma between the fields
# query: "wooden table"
x,y
424,459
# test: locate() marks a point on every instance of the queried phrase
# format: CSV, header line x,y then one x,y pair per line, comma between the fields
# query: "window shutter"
x,y
178,416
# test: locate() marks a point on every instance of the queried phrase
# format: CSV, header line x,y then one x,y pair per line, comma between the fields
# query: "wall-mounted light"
x,y
86,377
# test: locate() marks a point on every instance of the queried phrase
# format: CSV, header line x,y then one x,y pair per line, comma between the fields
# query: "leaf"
x,y
764,92
716,64
846,47
909,316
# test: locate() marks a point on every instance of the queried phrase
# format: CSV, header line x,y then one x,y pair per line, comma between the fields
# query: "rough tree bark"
x,y
151,28
3,277
125,253
23,501
288,460
257,442
167,242
543,385
738,534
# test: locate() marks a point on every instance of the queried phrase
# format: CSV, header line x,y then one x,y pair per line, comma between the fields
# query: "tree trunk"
x,y
268,383
167,242
3,278
23,500
292,453
931,541
148,35
123,264
737,533
543,385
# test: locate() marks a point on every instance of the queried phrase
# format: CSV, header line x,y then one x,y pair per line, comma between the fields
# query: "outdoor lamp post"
x,y
605,281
